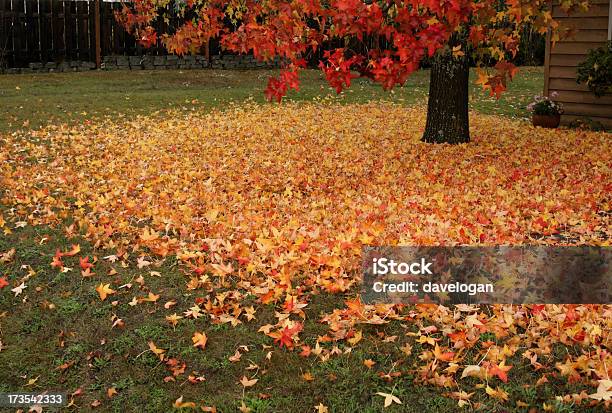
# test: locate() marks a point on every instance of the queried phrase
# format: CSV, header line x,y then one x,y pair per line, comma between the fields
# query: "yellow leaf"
x,y
457,52
149,235
356,338
498,393
248,383
471,371
104,290
369,363
389,399
321,408
308,376
151,297
211,215
406,349
157,351
180,404
604,391
199,340
32,381
173,319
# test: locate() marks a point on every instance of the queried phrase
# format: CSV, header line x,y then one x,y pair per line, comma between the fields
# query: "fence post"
x,y
97,30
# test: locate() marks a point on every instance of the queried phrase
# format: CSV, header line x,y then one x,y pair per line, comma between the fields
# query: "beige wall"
x,y
593,30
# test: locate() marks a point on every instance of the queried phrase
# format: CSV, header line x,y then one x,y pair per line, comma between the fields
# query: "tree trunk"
x,y
447,107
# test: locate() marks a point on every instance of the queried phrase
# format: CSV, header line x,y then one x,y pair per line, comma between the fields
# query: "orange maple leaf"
x,y
448,356
199,340
156,350
104,290
76,248
500,370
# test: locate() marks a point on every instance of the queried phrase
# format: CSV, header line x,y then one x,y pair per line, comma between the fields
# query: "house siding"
x,y
593,30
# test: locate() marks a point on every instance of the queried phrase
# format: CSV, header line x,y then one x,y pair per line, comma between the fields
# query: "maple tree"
x,y
450,32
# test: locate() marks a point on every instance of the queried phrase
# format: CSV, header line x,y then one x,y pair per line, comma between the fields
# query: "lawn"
x,y
204,257
39,99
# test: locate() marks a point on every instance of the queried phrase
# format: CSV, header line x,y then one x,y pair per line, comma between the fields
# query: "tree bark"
x,y
447,107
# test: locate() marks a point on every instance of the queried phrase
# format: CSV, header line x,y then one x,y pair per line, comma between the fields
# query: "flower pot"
x,y
546,121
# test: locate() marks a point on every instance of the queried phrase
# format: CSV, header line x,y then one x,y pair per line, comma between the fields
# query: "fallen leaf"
x,y
321,408
308,376
248,383
104,291
471,371
389,399
180,404
604,391
173,319
356,338
19,289
236,357
369,363
199,340
157,351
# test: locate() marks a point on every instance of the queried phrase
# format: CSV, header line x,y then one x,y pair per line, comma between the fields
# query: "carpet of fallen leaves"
x,y
277,201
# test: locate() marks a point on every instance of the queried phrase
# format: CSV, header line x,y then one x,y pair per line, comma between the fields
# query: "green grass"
x,y
32,100
59,321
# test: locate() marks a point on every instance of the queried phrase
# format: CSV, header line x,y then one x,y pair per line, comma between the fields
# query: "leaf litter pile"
x,y
276,202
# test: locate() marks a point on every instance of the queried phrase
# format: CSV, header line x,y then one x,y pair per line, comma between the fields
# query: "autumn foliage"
x,y
276,203
292,30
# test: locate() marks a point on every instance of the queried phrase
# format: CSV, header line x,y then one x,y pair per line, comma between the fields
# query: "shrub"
x,y
596,70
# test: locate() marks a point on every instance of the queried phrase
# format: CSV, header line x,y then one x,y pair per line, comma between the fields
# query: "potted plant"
x,y
545,112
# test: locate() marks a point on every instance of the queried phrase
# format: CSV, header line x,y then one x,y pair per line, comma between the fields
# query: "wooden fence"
x,y
41,31
58,30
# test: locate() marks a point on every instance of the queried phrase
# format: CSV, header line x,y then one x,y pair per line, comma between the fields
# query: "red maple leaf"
x,y
289,304
284,337
276,89
57,260
458,336
500,370
84,263
305,351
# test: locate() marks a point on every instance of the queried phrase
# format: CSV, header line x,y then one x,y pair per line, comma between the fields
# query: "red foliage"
x,y
292,29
